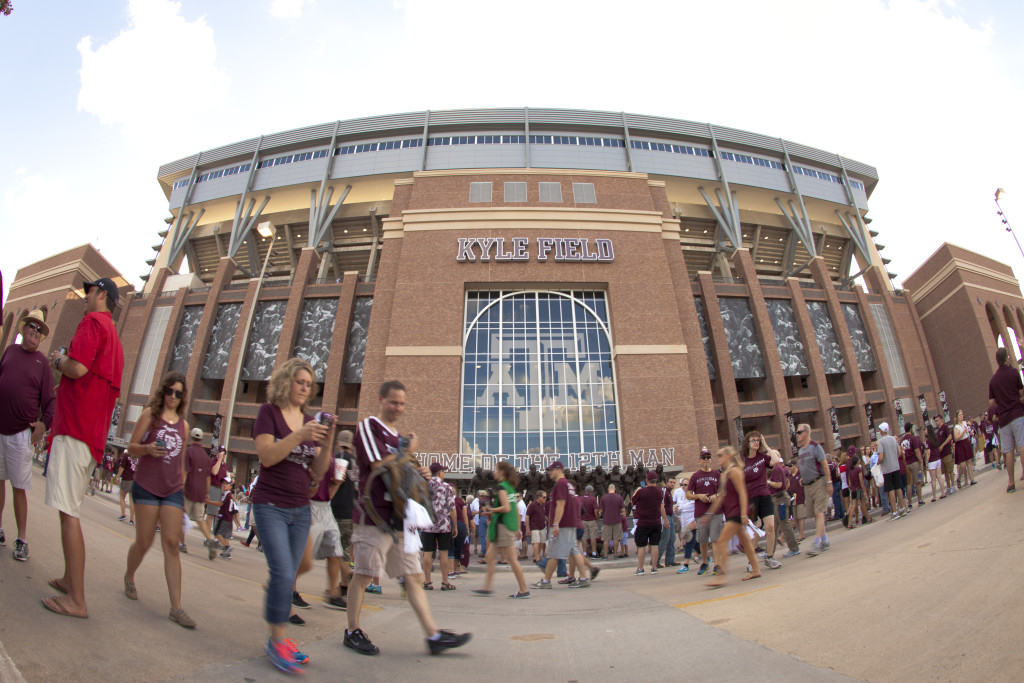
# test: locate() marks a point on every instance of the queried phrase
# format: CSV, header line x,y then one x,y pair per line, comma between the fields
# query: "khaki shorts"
x,y
67,475
611,533
538,537
947,465
323,531
506,537
16,459
345,529
590,530
375,553
195,509
815,497
798,512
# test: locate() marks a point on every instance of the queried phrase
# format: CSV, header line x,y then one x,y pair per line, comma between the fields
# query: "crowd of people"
x,y
362,502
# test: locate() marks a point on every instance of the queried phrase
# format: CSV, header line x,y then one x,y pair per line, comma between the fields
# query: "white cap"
x,y
884,427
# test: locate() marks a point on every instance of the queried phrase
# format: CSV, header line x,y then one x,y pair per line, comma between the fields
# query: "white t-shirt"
x,y
474,507
521,507
684,507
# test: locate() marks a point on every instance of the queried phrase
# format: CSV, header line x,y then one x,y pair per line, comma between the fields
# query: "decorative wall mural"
x,y
744,350
181,353
825,333
316,329
859,337
263,340
787,338
357,341
705,335
215,365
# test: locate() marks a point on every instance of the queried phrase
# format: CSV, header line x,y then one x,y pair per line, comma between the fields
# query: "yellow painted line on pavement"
x,y
724,597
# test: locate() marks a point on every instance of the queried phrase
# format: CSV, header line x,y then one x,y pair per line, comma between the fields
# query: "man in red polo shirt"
x,y
89,386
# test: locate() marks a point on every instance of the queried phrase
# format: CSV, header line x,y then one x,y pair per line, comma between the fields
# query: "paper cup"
x,y
340,466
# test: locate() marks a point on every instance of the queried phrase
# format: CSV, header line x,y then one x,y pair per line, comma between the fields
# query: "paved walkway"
x,y
930,597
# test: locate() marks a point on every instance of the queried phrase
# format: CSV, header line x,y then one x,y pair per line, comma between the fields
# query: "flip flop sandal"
x,y
428,586
750,577
447,587
55,605
715,585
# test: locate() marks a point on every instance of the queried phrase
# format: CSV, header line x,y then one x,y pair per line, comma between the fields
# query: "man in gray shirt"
x,y
889,461
817,485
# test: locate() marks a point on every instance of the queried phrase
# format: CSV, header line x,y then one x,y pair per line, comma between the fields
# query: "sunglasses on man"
x,y
33,326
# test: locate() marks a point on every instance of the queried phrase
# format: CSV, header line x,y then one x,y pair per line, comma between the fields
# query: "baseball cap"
x,y
884,427
437,467
344,438
197,434
107,285
556,465
652,476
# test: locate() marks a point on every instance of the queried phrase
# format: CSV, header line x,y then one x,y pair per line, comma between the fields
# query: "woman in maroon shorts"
x,y
158,441
732,501
963,452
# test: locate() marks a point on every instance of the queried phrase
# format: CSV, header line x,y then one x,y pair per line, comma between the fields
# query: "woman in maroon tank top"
x,y
732,501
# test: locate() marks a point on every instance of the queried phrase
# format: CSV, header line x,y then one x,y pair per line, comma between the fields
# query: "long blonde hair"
x,y
735,459
280,386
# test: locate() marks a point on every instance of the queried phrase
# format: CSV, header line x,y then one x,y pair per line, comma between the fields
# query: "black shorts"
x,y
855,494
432,542
846,493
761,507
893,481
647,535
735,520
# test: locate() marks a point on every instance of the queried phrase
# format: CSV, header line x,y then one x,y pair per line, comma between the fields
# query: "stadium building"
x,y
601,287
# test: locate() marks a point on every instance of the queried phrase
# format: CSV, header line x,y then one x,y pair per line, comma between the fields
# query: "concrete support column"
x,y
776,381
881,362
132,353
238,346
817,381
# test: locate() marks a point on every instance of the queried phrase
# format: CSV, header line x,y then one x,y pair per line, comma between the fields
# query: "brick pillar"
x,y
225,269
334,376
819,271
744,265
817,381
880,360
309,261
933,377
238,347
131,353
703,416
375,361
731,401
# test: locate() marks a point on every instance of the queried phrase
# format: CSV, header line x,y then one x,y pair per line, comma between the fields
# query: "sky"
x,y
97,95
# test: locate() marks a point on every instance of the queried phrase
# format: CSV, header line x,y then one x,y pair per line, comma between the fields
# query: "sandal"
x,y
428,586
748,577
1011,488
129,590
447,587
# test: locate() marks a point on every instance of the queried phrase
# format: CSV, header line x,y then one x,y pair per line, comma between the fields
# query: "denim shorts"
x,y
143,497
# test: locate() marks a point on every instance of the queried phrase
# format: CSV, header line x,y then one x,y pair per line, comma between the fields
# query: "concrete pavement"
x,y
931,596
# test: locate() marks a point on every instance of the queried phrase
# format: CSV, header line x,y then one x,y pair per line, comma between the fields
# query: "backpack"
x,y
403,482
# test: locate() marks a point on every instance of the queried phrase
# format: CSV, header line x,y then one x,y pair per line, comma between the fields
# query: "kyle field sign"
x,y
559,249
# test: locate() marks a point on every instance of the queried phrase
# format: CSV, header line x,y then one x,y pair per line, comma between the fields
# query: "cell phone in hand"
x,y
63,350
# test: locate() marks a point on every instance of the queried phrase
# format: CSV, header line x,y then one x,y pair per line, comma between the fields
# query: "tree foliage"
x,y
6,7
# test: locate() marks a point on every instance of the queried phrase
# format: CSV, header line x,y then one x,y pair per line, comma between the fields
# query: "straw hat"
x,y
38,317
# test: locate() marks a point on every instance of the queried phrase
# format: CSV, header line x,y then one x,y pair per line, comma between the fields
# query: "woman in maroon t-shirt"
x,y
292,462
732,501
756,465
159,441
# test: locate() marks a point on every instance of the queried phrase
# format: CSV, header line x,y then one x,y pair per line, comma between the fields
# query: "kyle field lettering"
x,y
517,249
464,463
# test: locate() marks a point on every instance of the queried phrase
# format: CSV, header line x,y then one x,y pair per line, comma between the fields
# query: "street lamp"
x,y
1002,216
265,229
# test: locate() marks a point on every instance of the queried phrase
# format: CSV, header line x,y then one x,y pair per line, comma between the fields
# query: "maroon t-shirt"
x,y
755,474
779,476
563,490
611,508
373,441
648,503
197,468
589,504
796,486
1005,387
127,466
162,476
703,483
853,476
26,389
285,484
934,453
225,506
910,443
944,433
323,492
731,501
460,505
537,516
217,478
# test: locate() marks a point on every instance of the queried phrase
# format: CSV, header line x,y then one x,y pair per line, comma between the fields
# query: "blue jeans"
x,y
667,544
481,535
455,549
283,534
837,501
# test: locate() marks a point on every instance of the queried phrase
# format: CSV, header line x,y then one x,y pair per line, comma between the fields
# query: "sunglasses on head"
x,y
176,393
33,326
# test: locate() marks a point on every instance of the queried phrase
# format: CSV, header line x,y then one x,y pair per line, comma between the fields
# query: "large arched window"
x,y
537,374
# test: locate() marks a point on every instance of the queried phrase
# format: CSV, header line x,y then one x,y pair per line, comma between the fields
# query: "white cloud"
x,y
157,75
289,9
